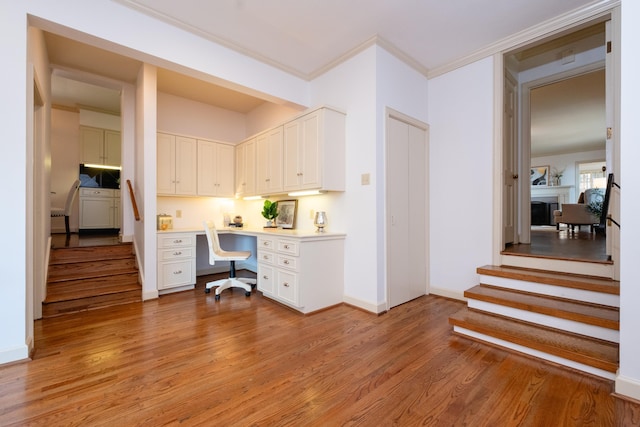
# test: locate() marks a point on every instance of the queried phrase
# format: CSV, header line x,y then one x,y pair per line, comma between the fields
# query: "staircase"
x,y
88,278
569,319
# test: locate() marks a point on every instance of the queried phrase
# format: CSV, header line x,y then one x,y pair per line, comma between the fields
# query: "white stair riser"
x,y
546,320
561,266
552,290
536,353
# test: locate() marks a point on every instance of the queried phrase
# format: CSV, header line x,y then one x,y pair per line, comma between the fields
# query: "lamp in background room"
x,y
320,221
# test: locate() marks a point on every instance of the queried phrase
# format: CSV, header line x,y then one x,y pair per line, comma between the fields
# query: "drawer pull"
x,y
286,261
177,272
177,253
285,284
265,257
286,246
265,243
177,241
265,277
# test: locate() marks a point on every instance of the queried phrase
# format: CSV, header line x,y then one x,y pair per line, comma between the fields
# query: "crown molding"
x,y
599,9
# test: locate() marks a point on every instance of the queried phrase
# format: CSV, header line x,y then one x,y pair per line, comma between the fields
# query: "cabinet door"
x,y
185,166
207,168
112,148
96,212
91,140
166,164
309,157
117,212
241,149
250,168
266,278
269,161
225,172
290,156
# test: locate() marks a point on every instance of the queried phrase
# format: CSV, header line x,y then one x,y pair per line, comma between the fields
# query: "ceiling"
x,y
305,38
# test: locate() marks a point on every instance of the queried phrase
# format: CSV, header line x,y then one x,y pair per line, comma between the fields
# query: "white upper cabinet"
x,y
269,162
176,165
314,152
215,169
100,146
246,168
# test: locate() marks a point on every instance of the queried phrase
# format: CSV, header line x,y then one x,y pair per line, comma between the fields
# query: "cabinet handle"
x,y
177,272
286,246
286,261
268,179
265,257
265,277
177,253
177,241
265,243
285,284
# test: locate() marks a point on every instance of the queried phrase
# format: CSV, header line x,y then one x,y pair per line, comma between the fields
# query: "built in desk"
x,y
301,269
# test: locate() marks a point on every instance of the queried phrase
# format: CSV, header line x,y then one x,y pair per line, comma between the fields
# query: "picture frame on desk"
x,y
539,176
287,213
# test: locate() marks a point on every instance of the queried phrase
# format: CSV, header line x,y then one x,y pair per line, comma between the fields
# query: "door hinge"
x,y
608,47
609,133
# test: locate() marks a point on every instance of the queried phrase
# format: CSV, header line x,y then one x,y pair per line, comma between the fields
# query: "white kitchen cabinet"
x,y
215,169
176,261
100,146
306,274
314,152
176,165
269,162
246,168
99,208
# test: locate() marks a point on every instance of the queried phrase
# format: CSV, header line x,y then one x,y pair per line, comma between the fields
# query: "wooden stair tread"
x,y
588,351
575,281
90,253
91,269
598,315
83,288
90,303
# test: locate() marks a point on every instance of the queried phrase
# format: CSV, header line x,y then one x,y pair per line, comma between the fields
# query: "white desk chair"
x,y
217,254
66,211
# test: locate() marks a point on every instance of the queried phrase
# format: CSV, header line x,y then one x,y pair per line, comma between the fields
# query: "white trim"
x,y
545,29
364,305
446,293
627,386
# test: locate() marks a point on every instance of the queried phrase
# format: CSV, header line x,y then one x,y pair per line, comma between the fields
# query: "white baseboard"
x,y
14,354
126,238
364,305
629,387
447,293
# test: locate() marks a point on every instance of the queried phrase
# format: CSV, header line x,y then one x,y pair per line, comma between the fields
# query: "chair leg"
x,y
66,225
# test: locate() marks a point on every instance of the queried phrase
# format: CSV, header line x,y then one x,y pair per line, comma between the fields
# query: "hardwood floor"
x,y
186,359
547,242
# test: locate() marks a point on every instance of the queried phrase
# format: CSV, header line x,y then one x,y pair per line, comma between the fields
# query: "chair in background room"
x,y
66,211
216,253
579,214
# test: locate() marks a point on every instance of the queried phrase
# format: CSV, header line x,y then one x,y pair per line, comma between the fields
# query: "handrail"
x,y
136,214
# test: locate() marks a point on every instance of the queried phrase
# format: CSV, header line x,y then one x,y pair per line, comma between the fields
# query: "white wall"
x,y
100,120
628,380
461,176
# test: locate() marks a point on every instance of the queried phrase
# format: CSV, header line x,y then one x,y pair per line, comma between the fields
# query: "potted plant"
x,y
270,212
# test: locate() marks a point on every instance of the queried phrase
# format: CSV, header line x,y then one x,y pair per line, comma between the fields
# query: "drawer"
x,y
175,254
288,262
174,274
266,257
287,287
289,247
265,278
266,243
175,240
97,192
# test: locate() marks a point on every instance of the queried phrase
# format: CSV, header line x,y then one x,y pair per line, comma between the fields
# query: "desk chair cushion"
x,y
216,253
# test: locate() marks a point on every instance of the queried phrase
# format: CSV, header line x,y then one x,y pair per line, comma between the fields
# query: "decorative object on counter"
x,y
287,213
237,222
165,222
270,213
557,176
320,221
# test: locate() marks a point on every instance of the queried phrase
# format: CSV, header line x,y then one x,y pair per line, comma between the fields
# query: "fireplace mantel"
x,y
564,193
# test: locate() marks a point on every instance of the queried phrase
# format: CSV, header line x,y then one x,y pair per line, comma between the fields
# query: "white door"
x,y
406,213
510,160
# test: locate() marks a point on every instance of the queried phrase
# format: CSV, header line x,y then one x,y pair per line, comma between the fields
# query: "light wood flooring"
x,y
185,359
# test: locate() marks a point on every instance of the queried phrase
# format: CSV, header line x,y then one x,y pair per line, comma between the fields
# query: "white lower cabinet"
x,y
304,273
176,261
99,208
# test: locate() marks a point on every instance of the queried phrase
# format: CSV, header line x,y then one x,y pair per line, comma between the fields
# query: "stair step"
x,y
568,280
592,352
90,253
84,288
91,303
592,314
91,269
